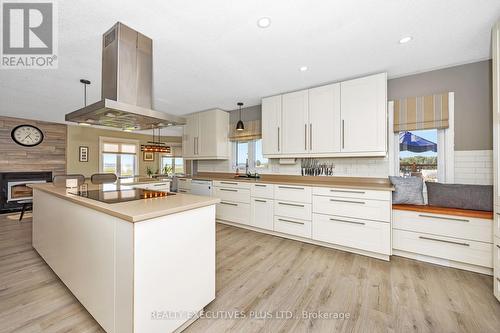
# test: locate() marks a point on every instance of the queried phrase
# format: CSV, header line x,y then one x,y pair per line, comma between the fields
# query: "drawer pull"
x,y
345,221
259,200
290,204
227,190
443,241
159,184
498,246
349,201
291,187
229,183
348,191
443,218
182,191
260,185
290,221
498,279
228,203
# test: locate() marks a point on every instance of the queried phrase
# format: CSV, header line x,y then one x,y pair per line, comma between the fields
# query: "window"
x,y
118,156
171,164
419,154
251,151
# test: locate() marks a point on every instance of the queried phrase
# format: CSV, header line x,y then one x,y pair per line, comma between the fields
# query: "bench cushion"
x,y
475,197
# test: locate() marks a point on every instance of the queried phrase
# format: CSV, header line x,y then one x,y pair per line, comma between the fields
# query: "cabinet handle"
x,y
310,136
229,183
498,279
345,221
227,190
342,133
159,184
182,191
194,146
498,246
290,204
228,203
259,200
443,218
260,185
292,187
443,241
305,136
278,139
349,201
290,221
348,191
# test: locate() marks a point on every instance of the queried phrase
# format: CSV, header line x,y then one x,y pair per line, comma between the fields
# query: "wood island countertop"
x,y
379,184
135,210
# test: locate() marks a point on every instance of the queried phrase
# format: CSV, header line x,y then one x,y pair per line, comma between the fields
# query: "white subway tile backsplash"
x,y
474,167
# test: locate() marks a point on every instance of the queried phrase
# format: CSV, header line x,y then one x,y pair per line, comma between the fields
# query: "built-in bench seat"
x,y
480,214
460,238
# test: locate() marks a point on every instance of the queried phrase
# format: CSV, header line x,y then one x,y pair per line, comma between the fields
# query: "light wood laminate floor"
x,y
266,275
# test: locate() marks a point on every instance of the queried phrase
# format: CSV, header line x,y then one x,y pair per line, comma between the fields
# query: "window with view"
x,y
170,165
250,151
119,158
418,154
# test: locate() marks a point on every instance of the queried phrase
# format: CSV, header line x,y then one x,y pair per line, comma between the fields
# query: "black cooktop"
x,y
114,196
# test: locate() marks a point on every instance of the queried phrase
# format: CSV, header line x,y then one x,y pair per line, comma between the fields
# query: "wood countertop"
x,y
131,211
379,184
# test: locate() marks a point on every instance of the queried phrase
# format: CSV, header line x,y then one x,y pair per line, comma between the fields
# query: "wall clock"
x,y
27,135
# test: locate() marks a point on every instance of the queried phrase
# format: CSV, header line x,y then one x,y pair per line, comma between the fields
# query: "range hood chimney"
x,y
126,87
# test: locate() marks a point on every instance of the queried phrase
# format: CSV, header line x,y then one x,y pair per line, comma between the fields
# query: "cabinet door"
x,y
207,139
271,125
261,215
364,114
295,122
190,136
324,119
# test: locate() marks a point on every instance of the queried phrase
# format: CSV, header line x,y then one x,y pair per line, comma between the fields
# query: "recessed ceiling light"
x,y
264,22
405,40
303,68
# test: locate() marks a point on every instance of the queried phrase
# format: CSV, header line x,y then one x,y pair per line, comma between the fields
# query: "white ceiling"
x,y
212,54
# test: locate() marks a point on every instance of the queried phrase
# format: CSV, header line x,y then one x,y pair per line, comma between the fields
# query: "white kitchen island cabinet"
x,y
138,266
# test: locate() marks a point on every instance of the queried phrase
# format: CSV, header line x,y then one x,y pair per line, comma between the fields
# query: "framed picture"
x,y
148,156
83,154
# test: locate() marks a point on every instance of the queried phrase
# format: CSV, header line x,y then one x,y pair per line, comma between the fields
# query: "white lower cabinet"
x,y
232,194
465,251
297,210
233,211
261,213
360,234
496,268
293,226
353,207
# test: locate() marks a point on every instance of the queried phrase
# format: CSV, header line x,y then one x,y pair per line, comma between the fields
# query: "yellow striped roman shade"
x,y
418,113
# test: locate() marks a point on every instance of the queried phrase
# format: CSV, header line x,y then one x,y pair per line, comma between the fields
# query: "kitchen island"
x,y
145,265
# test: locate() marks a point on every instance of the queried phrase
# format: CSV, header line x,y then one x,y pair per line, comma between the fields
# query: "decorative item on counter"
x,y
312,167
71,183
149,172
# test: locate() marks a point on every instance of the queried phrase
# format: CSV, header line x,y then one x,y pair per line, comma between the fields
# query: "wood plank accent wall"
x,y
50,155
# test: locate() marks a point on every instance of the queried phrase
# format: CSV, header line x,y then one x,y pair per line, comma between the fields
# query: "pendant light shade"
x,y
239,125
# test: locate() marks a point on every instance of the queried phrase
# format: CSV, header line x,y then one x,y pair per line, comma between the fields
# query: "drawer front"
x,y
359,234
233,212
262,213
496,257
232,194
163,187
496,225
470,252
262,191
291,226
232,184
296,210
293,193
353,193
354,208
184,183
444,225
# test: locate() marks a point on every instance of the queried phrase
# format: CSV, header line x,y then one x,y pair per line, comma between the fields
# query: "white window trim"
x,y
446,145
103,139
251,158
172,157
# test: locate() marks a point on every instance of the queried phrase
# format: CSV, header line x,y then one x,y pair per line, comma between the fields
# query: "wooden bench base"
x,y
446,211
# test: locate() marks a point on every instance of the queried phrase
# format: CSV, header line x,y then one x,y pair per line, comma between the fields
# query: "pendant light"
x,y
239,125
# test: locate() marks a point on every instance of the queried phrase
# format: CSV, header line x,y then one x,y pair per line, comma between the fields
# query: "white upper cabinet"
x,y
364,114
295,122
324,119
341,119
206,136
271,125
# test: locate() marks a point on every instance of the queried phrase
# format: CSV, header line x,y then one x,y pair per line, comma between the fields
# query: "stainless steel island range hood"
x,y
126,88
